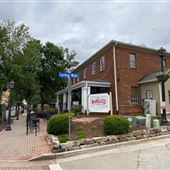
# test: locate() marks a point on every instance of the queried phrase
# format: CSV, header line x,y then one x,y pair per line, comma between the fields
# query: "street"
x,y
151,154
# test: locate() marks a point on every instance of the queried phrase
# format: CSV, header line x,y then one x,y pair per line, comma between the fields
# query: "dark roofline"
x,y
124,45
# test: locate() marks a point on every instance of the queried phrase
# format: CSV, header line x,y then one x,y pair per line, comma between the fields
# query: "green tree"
x,y
53,60
19,59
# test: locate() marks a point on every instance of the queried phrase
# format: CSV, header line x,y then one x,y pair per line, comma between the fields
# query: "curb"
x,y
66,154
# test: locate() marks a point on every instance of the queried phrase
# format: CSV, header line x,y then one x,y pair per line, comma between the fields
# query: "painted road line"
x,y
55,167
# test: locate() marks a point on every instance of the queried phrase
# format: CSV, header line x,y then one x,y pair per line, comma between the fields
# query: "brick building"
x,y
117,68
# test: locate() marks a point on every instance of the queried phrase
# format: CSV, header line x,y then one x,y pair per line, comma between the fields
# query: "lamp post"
x,y
162,56
8,126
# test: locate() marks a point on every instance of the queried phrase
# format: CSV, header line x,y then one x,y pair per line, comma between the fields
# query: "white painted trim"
x,y
55,167
149,81
83,83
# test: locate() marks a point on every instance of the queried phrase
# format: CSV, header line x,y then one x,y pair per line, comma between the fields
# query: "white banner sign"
x,y
99,103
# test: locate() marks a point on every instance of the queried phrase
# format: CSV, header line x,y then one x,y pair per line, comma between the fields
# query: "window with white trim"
x,y
84,73
93,68
134,95
164,64
102,63
132,60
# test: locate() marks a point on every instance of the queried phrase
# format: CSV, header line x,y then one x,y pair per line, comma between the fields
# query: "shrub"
x,y
76,108
94,127
58,124
52,111
63,138
116,125
81,135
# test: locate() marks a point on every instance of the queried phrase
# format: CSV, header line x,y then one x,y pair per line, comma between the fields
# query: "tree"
x,y
54,59
19,59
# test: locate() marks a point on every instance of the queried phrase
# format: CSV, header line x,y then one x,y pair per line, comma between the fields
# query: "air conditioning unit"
x,y
150,107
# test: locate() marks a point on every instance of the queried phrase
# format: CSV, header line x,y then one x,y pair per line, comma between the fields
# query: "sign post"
x,y
69,75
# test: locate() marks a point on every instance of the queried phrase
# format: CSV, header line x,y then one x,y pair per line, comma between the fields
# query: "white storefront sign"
x,y
99,103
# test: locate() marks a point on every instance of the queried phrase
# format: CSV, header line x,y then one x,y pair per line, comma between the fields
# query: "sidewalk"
x,y
16,145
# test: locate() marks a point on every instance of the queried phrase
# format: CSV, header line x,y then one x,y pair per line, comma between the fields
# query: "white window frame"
x,y
93,68
149,94
134,100
132,60
84,72
102,63
164,64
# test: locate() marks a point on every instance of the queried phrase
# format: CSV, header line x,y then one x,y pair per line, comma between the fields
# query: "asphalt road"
x,y
151,154
140,155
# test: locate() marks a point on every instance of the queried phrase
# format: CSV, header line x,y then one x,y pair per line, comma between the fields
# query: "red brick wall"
x,y
128,77
146,62
107,74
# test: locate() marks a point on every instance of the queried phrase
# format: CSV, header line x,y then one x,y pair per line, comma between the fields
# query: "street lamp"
x,y
8,127
162,56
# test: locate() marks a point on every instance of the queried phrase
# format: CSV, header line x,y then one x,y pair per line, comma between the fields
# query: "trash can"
x,y
156,123
148,121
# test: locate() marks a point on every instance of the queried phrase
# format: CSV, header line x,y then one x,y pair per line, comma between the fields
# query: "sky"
x,y
85,26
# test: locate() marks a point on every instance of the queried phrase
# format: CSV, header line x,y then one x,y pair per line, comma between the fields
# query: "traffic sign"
x,y
68,74
74,75
64,74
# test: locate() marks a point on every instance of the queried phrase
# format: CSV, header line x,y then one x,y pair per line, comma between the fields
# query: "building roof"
x,y
123,45
148,78
151,77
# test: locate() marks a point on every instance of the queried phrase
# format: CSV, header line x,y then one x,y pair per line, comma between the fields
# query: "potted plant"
x,y
162,76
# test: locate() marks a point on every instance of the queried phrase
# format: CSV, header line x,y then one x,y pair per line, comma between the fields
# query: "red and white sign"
x,y
99,103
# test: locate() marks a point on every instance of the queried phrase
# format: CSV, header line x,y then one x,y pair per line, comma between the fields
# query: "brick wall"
x,y
128,77
146,62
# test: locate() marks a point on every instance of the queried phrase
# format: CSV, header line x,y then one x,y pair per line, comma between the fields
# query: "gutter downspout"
x,y
115,77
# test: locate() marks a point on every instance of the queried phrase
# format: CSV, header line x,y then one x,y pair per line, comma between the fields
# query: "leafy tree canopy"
x,y
33,67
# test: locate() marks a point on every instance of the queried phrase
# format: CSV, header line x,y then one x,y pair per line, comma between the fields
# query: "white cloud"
x,y
87,26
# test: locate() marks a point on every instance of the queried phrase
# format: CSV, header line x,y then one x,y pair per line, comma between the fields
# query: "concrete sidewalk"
x,y
16,145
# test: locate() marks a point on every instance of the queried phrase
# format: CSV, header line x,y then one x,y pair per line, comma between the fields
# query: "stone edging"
x,y
56,146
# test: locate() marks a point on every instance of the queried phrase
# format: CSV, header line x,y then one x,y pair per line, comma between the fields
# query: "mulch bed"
x,y
93,126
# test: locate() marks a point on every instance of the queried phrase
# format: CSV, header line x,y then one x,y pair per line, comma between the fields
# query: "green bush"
x,y
81,135
58,124
63,138
76,108
116,125
52,111
94,127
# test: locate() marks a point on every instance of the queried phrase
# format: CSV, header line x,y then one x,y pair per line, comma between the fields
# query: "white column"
x,y
64,101
57,104
85,92
83,99
88,93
